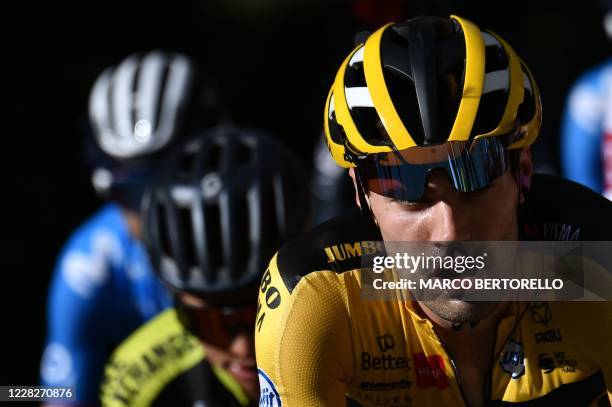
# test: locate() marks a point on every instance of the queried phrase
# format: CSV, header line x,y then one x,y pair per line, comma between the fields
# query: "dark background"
x,y
274,63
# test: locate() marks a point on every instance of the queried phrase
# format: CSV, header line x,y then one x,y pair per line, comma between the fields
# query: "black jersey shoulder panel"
x,y
335,245
563,210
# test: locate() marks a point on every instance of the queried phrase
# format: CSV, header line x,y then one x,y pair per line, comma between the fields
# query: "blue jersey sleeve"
x,y
101,290
582,131
78,305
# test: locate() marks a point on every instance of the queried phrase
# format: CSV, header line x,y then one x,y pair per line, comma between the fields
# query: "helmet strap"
x,y
364,204
523,209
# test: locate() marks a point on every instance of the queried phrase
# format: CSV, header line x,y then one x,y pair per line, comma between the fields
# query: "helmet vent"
x,y
496,87
134,108
526,109
360,104
213,156
162,223
404,96
336,131
212,222
188,244
111,125
495,57
270,220
186,166
240,252
244,153
162,96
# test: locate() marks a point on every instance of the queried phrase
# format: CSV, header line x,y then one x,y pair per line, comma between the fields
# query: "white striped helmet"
x,y
138,107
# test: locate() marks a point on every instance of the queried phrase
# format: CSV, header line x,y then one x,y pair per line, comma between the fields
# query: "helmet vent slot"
x,y
162,223
163,88
243,153
241,230
188,244
212,222
186,166
213,156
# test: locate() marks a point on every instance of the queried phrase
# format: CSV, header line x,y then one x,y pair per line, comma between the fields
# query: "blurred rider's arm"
x,y
77,344
581,134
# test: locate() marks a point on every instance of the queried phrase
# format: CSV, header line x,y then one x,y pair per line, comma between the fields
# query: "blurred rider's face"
x,y
444,214
238,359
228,340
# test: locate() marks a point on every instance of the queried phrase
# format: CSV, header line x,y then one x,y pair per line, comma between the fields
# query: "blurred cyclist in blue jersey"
x,y
586,129
102,287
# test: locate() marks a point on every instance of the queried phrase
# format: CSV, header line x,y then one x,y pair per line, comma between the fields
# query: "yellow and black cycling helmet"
x,y
426,81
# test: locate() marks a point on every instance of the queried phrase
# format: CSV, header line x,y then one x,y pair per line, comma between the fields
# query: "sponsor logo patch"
x,y
385,342
384,361
549,363
513,359
347,251
384,386
540,313
56,366
384,399
546,363
269,397
552,335
430,371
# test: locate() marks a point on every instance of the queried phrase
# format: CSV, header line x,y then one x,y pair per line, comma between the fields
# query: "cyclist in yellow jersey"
x,y
214,215
433,119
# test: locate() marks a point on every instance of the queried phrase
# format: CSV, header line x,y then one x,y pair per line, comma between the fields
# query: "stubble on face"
x,y
491,216
458,311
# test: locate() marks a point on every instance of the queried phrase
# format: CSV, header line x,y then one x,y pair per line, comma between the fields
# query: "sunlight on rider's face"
x,y
444,214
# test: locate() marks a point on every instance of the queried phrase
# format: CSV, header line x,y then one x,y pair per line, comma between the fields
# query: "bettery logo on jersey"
x,y
268,396
385,342
430,371
385,361
513,359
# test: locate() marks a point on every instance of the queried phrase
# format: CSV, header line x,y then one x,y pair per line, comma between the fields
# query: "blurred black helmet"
x,y
138,109
220,207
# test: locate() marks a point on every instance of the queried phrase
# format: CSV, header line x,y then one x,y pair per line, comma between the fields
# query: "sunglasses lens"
x,y
218,326
402,175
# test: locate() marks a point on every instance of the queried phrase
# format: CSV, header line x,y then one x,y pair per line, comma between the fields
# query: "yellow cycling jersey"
x,y
161,364
319,343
